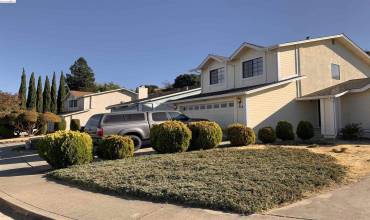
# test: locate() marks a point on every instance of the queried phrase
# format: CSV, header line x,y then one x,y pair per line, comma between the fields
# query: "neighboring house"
x,y
156,101
322,80
82,105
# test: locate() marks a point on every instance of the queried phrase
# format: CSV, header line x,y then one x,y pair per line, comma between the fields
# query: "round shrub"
x,y
170,137
60,126
75,125
267,135
205,135
115,147
351,131
240,135
284,131
305,130
64,148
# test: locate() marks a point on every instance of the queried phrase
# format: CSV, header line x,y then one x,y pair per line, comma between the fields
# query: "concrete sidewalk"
x,y
23,185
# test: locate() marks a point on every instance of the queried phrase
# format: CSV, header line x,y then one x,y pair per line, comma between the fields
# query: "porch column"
x,y
328,111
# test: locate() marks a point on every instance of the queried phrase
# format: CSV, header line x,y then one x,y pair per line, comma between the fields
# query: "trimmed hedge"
x,y
284,131
60,126
267,135
305,130
240,135
64,148
205,135
115,147
170,137
75,125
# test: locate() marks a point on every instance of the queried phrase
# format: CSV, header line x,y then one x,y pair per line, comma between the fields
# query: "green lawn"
x,y
238,180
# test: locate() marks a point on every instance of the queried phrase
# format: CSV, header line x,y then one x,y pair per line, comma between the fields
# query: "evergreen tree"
x,y
82,76
22,91
31,99
46,95
39,107
53,103
190,80
61,93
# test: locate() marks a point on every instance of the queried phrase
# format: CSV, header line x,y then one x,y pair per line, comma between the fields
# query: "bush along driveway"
x,y
238,180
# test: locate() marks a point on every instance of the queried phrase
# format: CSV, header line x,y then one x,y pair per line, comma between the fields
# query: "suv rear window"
x,y
93,121
159,116
119,118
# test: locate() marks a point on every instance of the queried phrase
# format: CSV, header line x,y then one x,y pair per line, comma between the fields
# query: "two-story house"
x,y
82,105
322,80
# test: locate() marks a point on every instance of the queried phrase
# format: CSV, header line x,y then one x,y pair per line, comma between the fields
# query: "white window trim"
x,y
252,77
209,75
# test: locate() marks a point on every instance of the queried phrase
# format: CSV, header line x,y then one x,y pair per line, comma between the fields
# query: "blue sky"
x,y
152,41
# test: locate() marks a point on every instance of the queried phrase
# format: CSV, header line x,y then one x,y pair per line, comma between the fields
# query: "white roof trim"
x,y
74,113
305,41
248,45
240,93
337,95
210,56
343,36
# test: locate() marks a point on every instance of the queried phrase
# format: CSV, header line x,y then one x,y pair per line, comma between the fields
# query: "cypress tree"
x,y
61,93
22,91
46,95
31,99
53,103
39,107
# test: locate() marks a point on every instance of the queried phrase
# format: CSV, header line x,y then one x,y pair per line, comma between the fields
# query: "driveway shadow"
x,y
25,171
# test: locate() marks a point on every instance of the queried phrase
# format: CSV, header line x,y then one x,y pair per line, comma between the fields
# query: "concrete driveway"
x,y
23,185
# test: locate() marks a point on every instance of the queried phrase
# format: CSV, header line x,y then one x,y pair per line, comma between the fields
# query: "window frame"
x,y
333,76
255,65
219,76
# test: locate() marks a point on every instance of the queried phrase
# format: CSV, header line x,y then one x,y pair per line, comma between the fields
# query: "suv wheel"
x,y
137,141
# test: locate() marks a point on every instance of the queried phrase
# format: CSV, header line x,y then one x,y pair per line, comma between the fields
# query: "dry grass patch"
x,y
239,180
356,158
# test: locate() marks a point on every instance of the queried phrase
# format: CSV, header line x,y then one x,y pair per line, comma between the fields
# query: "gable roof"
x,y
79,94
157,96
344,39
246,45
354,85
218,58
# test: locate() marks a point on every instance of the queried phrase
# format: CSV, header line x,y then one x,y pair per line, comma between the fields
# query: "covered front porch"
x,y
342,104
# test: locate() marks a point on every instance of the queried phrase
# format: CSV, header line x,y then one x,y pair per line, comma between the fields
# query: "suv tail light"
x,y
100,132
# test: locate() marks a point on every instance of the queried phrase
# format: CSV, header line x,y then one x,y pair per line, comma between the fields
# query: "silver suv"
x,y
134,124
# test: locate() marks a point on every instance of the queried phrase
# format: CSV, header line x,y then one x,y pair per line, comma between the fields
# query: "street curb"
x,y
23,211
18,140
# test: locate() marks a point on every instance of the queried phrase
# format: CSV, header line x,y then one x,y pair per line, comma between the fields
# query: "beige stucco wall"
x,y
356,109
287,62
97,104
268,107
315,63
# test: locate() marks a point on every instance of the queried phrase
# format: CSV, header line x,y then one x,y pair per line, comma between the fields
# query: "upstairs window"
x,y
253,67
216,76
335,71
73,103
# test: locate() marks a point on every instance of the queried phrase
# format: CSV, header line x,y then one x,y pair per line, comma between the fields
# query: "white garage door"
x,y
220,112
